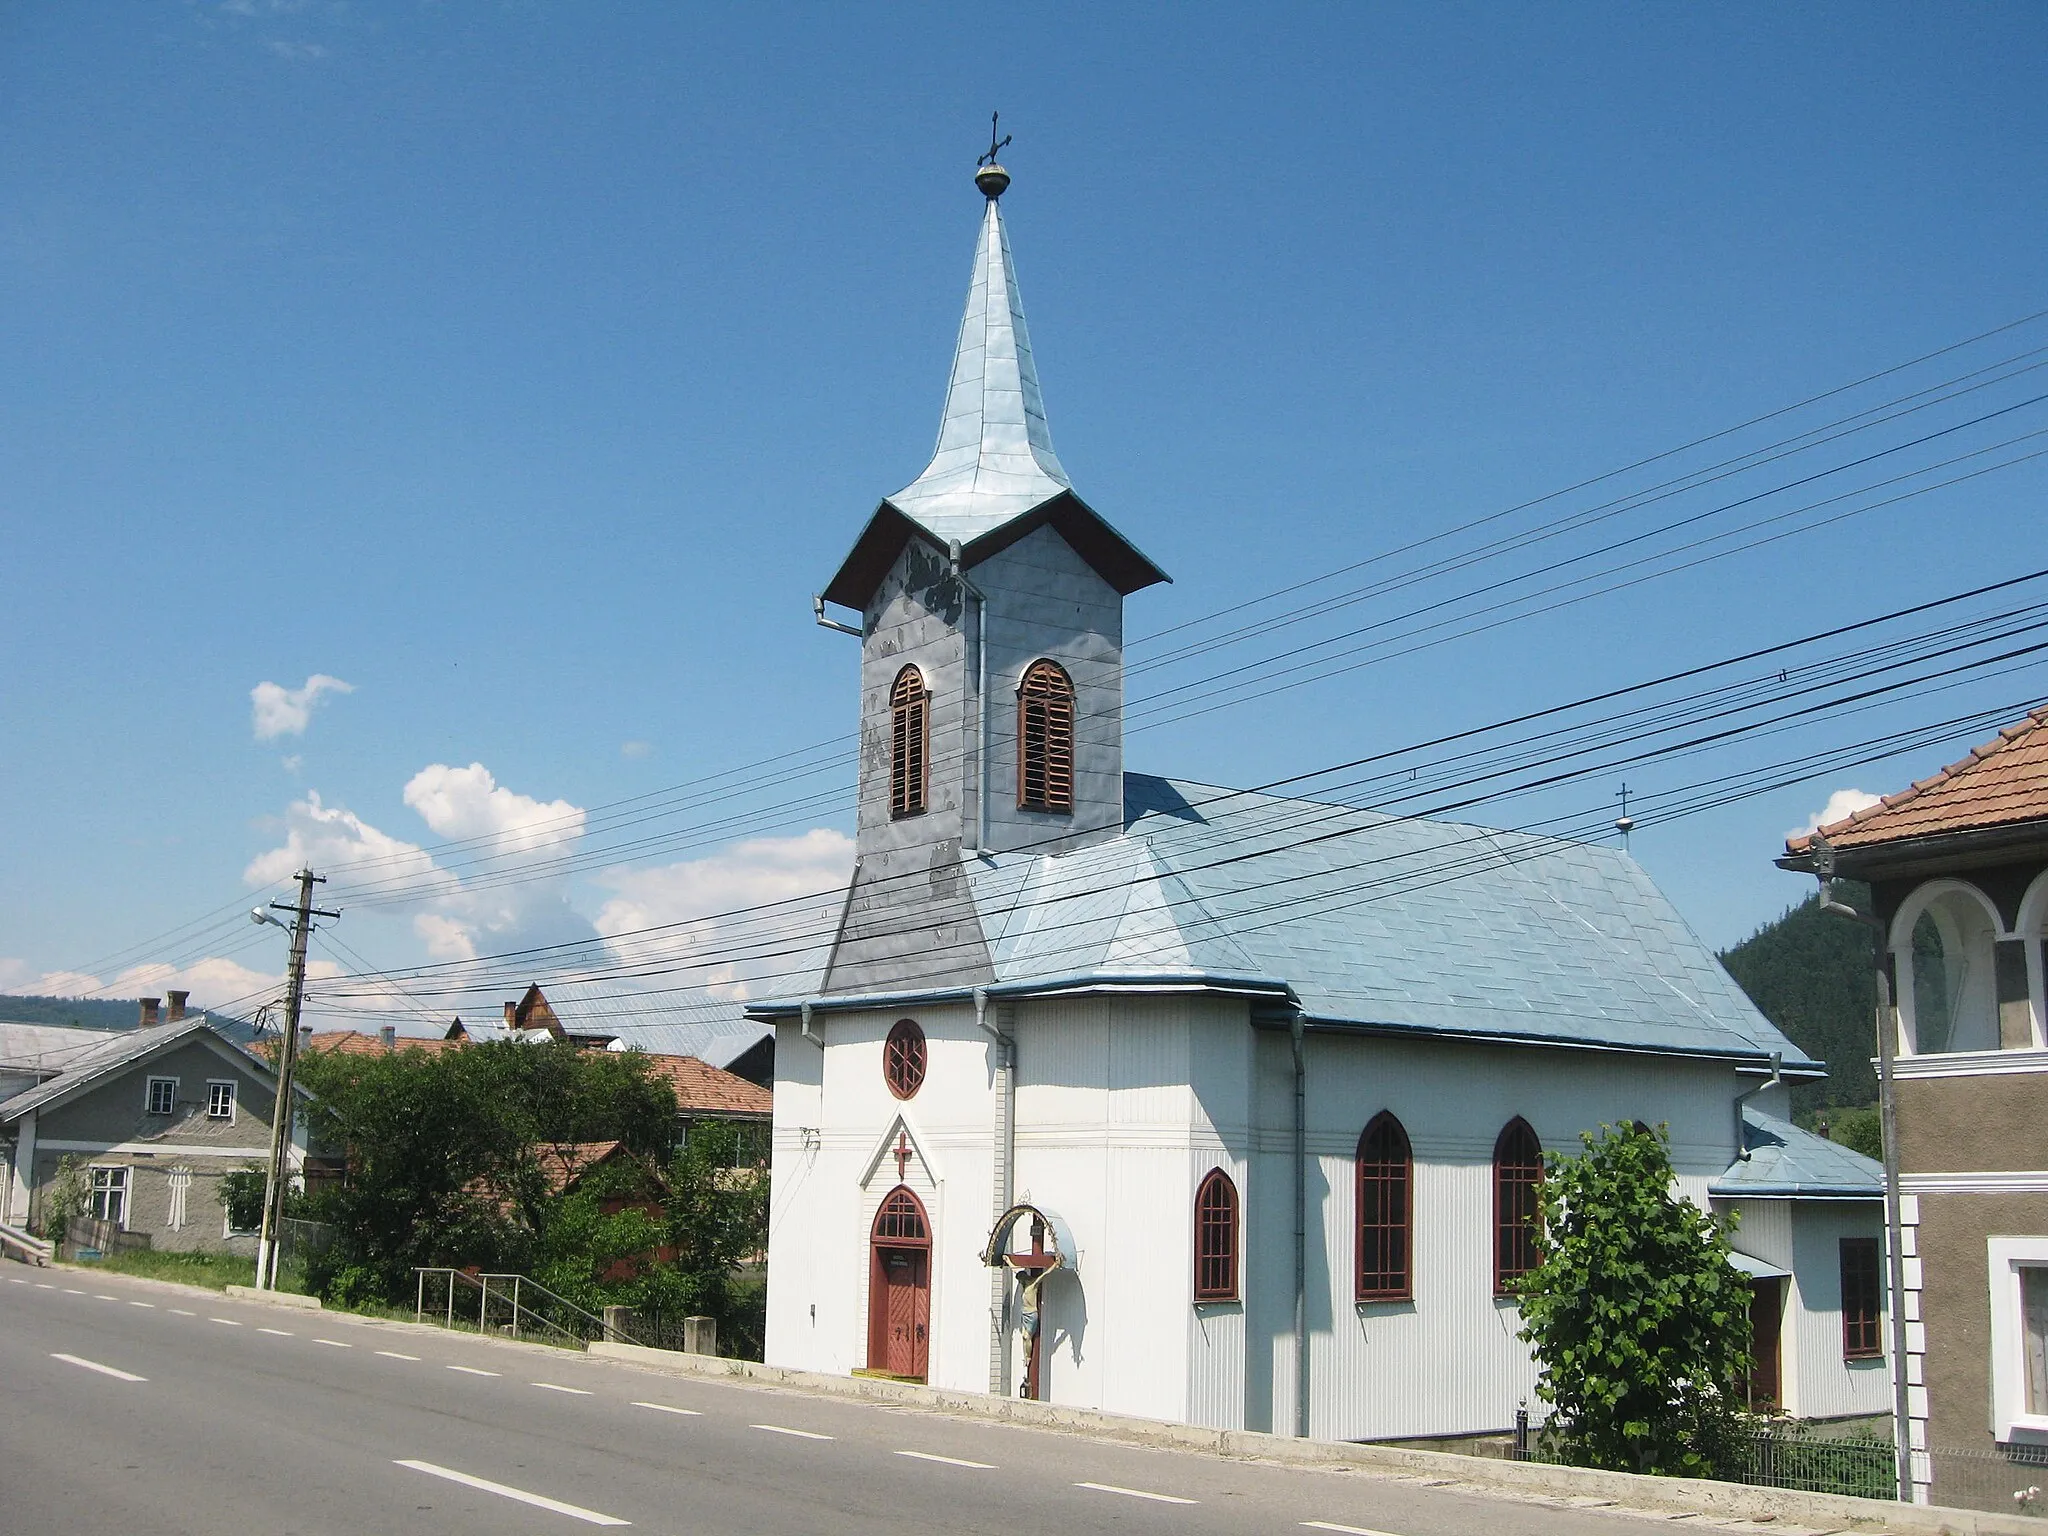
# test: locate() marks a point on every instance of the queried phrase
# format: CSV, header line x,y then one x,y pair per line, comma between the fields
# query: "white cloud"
x,y
682,899
281,711
329,838
293,763
464,803
1842,803
636,749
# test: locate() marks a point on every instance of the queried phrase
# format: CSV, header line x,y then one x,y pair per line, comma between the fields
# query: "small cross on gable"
x,y
902,1154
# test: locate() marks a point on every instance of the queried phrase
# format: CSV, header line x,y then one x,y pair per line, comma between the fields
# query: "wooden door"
x,y
900,1312
1766,1323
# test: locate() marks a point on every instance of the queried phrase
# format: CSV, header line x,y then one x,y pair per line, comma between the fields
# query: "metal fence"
x,y
512,1305
2012,1478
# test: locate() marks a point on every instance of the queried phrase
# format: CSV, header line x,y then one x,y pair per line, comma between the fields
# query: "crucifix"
x,y
994,148
902,1155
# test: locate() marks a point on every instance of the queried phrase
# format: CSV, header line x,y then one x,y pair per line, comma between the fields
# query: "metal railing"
x,y
17,1243
513,1305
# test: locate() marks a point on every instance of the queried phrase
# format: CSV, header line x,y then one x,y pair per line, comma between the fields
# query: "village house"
x,y
154,1117
1957,866
1154,1096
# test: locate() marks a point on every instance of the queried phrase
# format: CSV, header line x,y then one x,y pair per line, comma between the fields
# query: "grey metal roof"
x,y
47,1047
119,1050
1786,1162
1373,921
993,476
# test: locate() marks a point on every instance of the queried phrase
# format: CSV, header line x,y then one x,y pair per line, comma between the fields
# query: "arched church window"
x,y
903,1058
1045,739
1951,1001
1517,1187
1216,1238
909,743
1386,1179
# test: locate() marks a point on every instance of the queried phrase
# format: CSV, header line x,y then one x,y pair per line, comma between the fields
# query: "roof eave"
x,y
1859,861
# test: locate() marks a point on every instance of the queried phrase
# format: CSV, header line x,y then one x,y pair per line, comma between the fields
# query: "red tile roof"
x,y
2002,783
352,1042
704,1089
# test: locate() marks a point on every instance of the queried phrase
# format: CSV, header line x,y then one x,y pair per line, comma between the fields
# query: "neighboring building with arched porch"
x,y
1958,870
1195,1103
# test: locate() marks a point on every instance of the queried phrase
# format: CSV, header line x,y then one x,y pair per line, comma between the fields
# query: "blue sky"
x,y
527,367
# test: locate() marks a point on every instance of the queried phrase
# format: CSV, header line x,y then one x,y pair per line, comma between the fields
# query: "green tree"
x,y
241,1197
1809,972
444,1151
1636,1316
69,1195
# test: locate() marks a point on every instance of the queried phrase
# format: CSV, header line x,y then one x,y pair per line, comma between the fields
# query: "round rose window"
x,y
903,1058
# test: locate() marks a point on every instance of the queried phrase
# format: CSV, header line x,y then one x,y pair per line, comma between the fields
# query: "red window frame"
x,y
1862,1298
904,1058
1385,1212
1216,1238
1517,1206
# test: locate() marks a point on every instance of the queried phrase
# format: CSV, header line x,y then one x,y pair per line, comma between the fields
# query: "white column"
x,y
21,1182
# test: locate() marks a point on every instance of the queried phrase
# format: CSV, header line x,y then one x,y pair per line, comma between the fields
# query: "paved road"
x,y
138,1409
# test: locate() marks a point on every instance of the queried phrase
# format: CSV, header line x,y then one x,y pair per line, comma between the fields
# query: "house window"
x,y
2018,1271
1517,1183
1862,1292
1216,1238
909,743
163,1095
110,1195
903,1058
1386,1175
220,1101
1045,739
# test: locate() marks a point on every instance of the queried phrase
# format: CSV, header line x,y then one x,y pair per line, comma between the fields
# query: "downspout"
x,y
808,1033
1004,1149
1294,1033
1888,1120
1741,1138
818,613
980,702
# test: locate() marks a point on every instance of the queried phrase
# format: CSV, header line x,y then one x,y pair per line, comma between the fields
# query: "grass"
x,y
217,1271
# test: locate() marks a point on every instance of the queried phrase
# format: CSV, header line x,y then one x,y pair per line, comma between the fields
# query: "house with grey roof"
x,y
1154,1096
154,1117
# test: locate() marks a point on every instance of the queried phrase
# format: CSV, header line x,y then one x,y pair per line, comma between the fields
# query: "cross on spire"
x,y
994,148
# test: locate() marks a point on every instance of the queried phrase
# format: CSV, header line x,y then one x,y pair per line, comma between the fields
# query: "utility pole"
x,y
278,1177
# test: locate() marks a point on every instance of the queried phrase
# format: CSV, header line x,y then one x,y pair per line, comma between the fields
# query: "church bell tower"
x,y
991,620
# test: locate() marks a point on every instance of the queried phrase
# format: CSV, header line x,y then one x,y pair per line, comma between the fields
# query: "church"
x,y
1167,1099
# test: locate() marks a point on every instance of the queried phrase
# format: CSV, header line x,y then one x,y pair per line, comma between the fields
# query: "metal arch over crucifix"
x,y
995,147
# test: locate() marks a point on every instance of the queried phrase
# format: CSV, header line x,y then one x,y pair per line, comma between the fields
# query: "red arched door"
x,y
900,1287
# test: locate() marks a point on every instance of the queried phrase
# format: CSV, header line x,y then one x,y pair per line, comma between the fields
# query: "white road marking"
x,y
1138,1493
280,1332
94,1365
665,1408
44,1285
181,1312
334,1344
392,1354
801,1434
149,1304
469,1370
106,1298
951,1461
68,1291
227,1322
1344,1530
538,1501
12,1281
549,1386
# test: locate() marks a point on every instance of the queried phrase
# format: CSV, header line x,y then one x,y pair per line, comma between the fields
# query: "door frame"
x,y
901,1239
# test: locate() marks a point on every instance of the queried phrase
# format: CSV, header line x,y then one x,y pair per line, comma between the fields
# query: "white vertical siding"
x,y
1821,1383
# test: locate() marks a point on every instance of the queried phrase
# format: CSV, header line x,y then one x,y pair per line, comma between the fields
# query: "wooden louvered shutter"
x,y
908,744
1045,739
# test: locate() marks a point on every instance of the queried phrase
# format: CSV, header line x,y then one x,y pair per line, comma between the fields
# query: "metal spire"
x,y
994,459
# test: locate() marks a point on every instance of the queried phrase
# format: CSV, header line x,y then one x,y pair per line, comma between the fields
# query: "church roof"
x,y
1382,923
1786,1162
993,476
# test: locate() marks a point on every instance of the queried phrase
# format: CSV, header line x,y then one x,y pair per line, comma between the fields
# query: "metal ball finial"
x,y
993,181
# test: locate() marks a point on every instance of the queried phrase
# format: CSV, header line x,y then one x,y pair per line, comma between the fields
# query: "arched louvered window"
x,y
1216,1238
909,743
1386,1183
1517,1186
1045,739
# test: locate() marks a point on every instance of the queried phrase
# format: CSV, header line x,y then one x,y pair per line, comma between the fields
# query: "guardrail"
x,y
30,1250
514,1305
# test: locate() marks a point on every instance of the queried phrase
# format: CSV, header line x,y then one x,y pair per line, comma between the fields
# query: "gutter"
x,y
1301,1383
1742,1098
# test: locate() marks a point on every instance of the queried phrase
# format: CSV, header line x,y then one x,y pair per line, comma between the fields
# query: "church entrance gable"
x,y
900,1287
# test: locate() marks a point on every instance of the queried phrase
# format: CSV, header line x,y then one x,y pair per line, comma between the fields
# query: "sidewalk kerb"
x,y
1832,1512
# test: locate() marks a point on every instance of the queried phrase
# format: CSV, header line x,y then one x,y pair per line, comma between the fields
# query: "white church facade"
x,y
1208,1105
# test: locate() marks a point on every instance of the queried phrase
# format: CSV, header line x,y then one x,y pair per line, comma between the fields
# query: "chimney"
x,y
388,1037
177,1006
305,1037
511,1015
149,1006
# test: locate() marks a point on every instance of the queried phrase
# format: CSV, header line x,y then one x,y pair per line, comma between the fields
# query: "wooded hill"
x,y
1809,973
